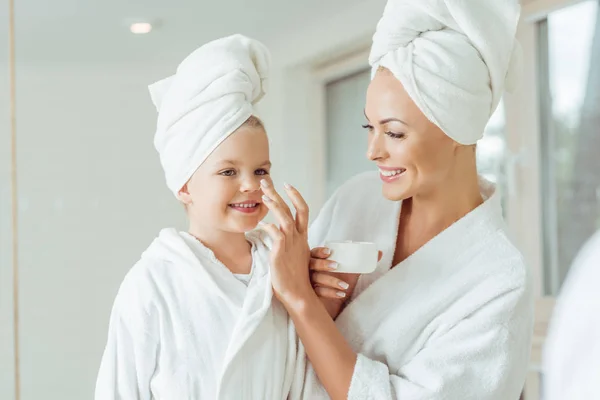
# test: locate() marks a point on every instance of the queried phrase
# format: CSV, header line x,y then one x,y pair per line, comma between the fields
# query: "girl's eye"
x,y
229,172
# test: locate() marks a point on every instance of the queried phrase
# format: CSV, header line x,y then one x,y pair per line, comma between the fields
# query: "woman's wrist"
x,y
300,303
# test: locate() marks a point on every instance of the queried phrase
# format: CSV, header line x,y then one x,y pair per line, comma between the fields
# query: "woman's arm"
x,y
483,356
328,351
326,348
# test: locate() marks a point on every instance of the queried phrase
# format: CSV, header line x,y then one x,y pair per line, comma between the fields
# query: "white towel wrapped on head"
x,y
209,97
454,58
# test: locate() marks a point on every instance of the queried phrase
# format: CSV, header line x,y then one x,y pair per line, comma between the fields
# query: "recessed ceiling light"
x,y
140,28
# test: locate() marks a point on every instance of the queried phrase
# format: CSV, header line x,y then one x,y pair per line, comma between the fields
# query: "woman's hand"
x,y
290,254
326,282
333,289
329,352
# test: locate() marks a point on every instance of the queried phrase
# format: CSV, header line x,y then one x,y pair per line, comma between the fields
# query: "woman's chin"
x,y
395,192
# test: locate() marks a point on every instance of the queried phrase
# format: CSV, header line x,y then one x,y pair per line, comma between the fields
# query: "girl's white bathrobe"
x,y
453,321
183,327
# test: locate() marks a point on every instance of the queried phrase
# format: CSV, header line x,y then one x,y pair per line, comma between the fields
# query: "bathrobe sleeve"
x,y
129,358
481,357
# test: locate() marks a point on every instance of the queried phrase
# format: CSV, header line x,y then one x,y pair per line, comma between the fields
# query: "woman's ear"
x,y
184,195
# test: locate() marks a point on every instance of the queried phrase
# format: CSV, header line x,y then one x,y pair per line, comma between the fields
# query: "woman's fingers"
x,y
329,293
327,280
269,189
275,203
276,235
317,264
286,222
320,252
300,206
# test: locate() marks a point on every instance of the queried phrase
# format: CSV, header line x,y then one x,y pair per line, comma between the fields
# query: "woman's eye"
x,y
261,171
368,127
395,135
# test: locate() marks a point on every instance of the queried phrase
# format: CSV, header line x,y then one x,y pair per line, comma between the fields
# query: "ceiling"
x,y
96,31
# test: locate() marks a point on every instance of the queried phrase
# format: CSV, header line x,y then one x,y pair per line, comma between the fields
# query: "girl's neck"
x,y
230,248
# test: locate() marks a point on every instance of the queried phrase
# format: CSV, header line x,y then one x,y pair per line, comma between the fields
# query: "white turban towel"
x,y
211,95
455,58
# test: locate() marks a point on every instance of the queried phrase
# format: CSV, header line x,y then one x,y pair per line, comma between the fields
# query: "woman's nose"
x,y
376,147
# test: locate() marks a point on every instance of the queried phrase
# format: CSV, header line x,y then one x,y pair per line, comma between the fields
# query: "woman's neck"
x,y
231,248
449,202
426,215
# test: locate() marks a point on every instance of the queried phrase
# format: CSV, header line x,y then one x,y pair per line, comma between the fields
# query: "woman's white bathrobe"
x,y
184,328
453,321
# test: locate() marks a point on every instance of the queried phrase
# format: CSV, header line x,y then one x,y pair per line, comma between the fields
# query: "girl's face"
x,y
224,193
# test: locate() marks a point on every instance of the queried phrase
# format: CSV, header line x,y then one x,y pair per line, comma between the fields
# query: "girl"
x,y
195,317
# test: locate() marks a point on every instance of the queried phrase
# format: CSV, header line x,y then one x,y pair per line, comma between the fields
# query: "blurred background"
x,y
90,191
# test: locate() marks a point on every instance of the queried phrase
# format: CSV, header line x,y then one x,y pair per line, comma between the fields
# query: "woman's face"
x,y
412,153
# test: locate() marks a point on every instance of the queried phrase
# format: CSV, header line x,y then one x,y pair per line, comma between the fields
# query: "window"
x,y
569,70
346,139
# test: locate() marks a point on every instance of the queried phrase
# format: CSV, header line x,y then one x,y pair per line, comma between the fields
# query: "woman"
x,y
448,312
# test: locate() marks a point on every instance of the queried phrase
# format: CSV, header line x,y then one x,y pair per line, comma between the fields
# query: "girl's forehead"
x,y
240,150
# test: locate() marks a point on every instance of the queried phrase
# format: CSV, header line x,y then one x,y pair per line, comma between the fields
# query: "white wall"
x,y
91,198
